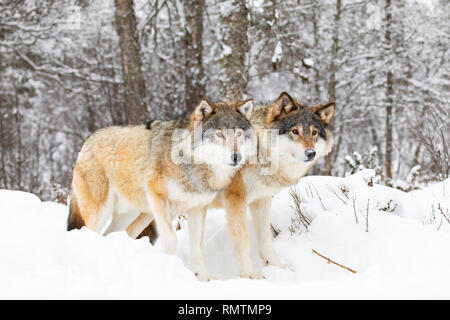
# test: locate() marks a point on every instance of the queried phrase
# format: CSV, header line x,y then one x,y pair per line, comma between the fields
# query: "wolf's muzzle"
x,y
236,158
310,154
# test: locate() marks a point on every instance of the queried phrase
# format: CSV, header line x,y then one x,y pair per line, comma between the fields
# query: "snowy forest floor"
x,y
399,248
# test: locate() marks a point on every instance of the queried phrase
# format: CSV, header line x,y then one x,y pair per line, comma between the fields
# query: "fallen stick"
x,y
331,261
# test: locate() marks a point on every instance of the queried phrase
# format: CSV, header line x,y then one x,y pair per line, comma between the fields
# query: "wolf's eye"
x,y
219,134
314,132
295,131
239,133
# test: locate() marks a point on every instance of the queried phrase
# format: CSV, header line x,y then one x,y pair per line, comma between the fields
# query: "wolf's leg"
x,y
139,224
260,210
236,208
150,232
160,211
196,224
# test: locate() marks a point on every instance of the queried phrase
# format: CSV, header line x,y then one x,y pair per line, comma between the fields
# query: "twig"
x,y
275,232
331,261
344,190
388,207
443,214
335,193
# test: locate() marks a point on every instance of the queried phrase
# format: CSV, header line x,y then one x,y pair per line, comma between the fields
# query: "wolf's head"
x,y
303,130
222,132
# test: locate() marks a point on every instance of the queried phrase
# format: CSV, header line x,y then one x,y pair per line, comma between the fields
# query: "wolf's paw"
x,y
285,267
279,265
204,276
252,275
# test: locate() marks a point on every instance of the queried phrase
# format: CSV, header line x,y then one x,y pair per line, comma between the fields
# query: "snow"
x,y
308,62
401,252
226,51
278,53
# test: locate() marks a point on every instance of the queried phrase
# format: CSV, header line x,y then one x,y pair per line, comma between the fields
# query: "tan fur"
x,y
75,220
114,155
233,200
124,176
138,225
118,158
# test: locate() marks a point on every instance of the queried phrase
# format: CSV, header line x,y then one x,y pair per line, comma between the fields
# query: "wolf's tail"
x,y
150,231
75,220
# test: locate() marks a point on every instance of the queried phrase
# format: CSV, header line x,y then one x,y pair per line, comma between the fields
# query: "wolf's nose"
x,y
236,157
310,154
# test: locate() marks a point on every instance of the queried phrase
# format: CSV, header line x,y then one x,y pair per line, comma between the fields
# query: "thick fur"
x,y
125,177
75,220
253,187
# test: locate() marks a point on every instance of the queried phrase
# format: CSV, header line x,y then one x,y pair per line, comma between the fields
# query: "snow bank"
x,y
399,253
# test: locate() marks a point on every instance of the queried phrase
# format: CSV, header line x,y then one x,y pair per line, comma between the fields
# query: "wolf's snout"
x,y
236,158
310,154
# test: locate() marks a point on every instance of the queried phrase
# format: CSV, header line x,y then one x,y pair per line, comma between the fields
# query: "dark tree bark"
x,y
234,24
333,69
195,85
133,78
389,93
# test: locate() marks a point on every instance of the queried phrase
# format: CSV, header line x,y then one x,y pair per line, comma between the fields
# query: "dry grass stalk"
x,y
335,193
354,209
320,198
367,216
446,216
301,219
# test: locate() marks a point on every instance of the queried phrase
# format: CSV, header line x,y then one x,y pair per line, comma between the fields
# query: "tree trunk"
x,y
389,93
133,78
195,86
316,23
333,68
234,24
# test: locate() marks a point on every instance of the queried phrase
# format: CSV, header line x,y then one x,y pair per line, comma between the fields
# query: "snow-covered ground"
x,y
398,253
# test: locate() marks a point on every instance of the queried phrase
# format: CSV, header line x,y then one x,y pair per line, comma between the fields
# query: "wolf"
x,y
127,177
300,136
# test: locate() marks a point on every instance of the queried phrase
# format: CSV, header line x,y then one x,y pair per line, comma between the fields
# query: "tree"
x,y
195,77
235,47
133,78
333,68
389,91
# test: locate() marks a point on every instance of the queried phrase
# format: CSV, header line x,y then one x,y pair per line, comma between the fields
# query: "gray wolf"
x,y
126,177
302,136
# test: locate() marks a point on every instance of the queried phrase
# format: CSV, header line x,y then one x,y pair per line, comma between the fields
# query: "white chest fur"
x,y
261,187
222,175
182,200
256,188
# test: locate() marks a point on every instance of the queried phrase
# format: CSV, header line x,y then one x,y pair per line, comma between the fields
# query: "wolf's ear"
x,y
325,111
245,108
283,105
202,110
